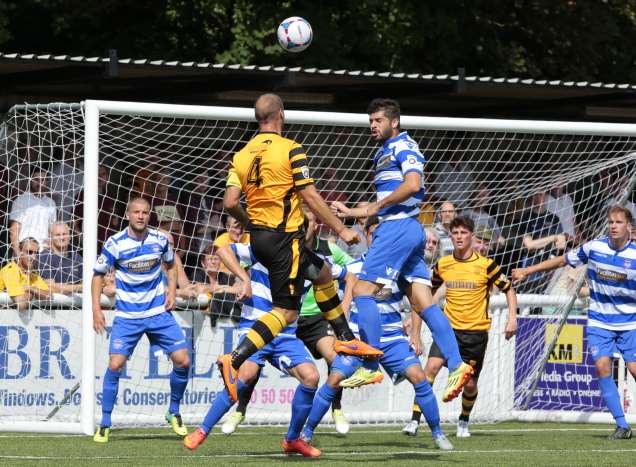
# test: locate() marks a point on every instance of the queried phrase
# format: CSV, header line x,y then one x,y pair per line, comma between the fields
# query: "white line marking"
x,y
243,432
324,454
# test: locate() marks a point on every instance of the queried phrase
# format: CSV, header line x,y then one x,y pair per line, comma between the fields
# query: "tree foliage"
x,y
554,39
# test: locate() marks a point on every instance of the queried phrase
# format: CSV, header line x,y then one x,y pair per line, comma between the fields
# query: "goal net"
x,y
534,189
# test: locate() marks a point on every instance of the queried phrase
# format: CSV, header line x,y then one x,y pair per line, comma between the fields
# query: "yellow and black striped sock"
x,y
417,412
263,331
468,401
329,303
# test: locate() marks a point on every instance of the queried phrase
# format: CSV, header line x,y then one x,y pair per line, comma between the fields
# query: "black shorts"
x,y
288,263
472,348
310,330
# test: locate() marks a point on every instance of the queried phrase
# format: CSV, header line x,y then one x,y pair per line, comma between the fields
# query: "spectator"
x,y
20,277
454,180
199,202
480,215
32,212
211,227
432,248
67,180
220,286
108,219
57,265
234,234
356,251
611,185
560,204
447,213
427,214
542,235
482,240
330,191
167,214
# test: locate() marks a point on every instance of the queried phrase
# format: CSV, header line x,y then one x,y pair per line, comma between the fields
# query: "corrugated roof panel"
x,y
324,71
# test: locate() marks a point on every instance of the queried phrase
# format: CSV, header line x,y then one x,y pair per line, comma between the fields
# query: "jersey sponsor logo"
x,y
469,285
606,274
156,248
383,163
628,263
142,266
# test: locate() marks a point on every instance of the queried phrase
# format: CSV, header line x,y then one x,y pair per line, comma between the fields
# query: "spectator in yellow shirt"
x,y
234,234
20,277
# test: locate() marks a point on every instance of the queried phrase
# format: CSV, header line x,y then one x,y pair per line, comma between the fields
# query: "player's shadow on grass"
x,y
365,458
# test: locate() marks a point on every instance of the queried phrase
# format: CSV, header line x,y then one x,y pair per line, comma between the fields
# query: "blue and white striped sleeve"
x,y
579,255
410,158
244,254
168,252
107,258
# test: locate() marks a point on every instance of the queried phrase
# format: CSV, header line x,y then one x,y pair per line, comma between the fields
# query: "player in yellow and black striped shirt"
x,y
468,278
273,174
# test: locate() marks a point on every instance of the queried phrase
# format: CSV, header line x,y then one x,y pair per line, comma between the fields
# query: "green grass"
x,y
499,444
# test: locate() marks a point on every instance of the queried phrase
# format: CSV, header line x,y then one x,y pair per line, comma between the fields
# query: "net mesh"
x,y
532,196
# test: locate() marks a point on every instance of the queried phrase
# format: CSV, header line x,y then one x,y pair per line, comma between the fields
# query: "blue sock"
x,y
369,324
178,383
220,407
109,395
428,404
322,402
443,335
301,405
609,391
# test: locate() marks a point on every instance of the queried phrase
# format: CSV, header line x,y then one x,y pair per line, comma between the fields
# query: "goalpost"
x,y
51,362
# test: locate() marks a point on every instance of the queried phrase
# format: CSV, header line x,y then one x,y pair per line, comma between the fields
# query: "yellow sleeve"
x,y
222,240
299,167
38,282
233,178
12,283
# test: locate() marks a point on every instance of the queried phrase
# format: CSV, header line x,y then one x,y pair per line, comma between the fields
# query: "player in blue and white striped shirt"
x,y
399,360
285,352
142,306
611,323
398,243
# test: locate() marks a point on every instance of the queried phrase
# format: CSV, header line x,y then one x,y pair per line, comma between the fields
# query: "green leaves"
x,y
565,39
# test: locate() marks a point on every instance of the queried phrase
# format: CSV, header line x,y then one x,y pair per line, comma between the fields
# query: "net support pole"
x,y
89,233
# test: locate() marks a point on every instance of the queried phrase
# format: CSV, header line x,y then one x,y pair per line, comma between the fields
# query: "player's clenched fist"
x,y
519,274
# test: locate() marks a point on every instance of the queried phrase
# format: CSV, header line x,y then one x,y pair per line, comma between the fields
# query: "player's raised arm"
x,y
314,201
520,274
228,257
232,199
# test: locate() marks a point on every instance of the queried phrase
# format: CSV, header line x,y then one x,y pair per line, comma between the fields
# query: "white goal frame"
x,y
94,108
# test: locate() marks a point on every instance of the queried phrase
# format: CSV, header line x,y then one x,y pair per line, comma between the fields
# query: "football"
x,y
294,34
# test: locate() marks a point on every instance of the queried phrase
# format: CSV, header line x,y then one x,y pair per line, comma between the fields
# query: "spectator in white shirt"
x,y
32,212
560,204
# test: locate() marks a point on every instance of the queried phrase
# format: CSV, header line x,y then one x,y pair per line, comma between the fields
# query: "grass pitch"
x,y
498,444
